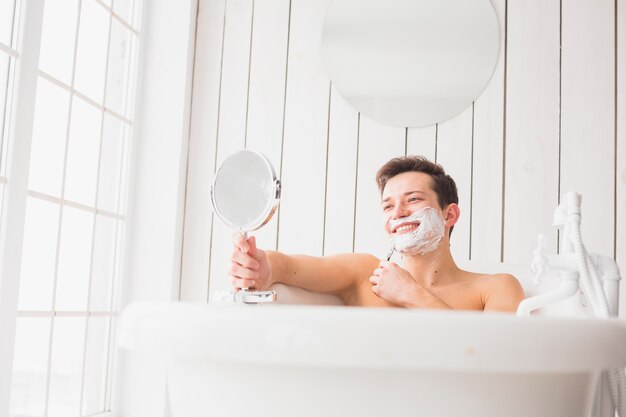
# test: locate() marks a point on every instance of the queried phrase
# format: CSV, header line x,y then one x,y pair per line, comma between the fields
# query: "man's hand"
x,y
394,284
249,267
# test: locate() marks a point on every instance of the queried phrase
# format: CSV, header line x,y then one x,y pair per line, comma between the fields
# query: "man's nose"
x,y
400,211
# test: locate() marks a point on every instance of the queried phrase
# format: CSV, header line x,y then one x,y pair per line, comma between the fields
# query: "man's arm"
x,y
252,267
503,292
332,274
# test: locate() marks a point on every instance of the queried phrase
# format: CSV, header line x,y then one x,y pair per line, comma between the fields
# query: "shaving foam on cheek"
x,y
426,238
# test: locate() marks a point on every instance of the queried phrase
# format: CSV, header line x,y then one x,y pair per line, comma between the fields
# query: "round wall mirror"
x,y
245,191
410,63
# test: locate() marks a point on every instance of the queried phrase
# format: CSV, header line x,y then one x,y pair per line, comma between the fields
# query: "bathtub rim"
x,y
314,336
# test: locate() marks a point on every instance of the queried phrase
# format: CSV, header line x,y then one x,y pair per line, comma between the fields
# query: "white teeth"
x,y
405,228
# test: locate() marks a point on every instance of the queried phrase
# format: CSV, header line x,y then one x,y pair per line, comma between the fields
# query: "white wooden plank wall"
x,y
487,164
201,161
551,120
422,141
620,210
266,101
453,151
343,129
377,144
231,121
588,116
301,213
532,127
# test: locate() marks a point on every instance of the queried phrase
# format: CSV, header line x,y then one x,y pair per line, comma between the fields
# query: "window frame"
x,y
28,27
14,199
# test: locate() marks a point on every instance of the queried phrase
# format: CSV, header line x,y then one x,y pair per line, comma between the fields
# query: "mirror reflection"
x,y
410,63
245,191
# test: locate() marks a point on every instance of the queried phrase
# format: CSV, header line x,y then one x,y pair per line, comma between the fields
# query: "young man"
x,y
419,205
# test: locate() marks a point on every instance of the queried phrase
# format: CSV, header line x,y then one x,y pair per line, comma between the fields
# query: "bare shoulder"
x,y
500,292
499,279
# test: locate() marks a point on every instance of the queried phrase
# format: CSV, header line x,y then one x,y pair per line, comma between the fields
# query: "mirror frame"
x,y
270,208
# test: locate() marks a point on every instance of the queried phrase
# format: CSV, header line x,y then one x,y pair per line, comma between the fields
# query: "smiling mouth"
x,y
405,228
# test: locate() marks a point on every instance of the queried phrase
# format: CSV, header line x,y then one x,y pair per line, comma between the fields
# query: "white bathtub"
x,y
281,360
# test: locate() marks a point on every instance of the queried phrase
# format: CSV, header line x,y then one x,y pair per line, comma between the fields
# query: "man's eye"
x,y
414,199
385,208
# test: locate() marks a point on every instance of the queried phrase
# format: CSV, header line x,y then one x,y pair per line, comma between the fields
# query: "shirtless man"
x,y
419,205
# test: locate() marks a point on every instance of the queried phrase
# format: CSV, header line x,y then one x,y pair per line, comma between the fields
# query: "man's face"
x,y
403,195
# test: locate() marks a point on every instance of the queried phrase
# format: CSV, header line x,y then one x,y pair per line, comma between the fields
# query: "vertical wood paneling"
x,y
235,71
620,227
301,220
328,158
267,91
206,87
486,224
454,152
341,176
231,121
421,141
587,116
532,128
377,144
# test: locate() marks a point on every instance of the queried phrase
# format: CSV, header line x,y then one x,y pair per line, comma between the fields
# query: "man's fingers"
x,y
375,280
239,271
252,246
244,259
239,283
376,290
241,243
387,264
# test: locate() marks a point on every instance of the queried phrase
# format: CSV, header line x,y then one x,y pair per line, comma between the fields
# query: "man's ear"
x,y
451,214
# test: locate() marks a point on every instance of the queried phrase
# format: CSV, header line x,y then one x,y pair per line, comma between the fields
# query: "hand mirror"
x,y
245,194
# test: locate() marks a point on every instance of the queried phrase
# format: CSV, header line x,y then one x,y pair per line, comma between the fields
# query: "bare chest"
x,y
460,296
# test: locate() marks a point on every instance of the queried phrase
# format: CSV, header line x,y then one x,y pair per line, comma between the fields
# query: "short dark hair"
x,y
442,184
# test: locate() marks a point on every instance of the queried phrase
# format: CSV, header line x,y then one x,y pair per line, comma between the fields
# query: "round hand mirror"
x,y
245,194
245,191
410,63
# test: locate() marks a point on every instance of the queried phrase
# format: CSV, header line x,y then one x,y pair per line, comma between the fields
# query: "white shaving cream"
x,y
426,238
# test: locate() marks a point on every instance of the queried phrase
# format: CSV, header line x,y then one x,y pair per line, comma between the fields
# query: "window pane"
x,y
82,153
96,365
49,133
66,366
7,8
92,50
5,62
30,366
123,194
117,272
2,187
118,73
40,244
58,35
110,163
126,10
103,263
74,259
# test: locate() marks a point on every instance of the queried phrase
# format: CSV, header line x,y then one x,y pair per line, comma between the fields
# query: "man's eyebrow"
x,y
407,193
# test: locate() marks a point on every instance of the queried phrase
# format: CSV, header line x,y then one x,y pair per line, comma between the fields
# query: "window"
x,y
75,211
8,54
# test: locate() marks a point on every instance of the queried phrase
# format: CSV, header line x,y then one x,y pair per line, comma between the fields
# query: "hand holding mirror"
x,y
245,194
